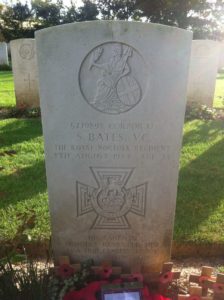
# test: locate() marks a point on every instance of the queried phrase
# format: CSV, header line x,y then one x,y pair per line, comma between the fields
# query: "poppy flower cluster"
x,y
94,288
65,271
166,278
218,288
194,297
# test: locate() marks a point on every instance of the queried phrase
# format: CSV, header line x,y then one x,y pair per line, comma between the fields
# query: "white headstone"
x,y
25,74
113,101
221,58
4,60
203,71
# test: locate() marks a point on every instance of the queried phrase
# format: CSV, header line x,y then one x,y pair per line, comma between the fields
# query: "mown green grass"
x,y
7,94
200,201
219,91
22,177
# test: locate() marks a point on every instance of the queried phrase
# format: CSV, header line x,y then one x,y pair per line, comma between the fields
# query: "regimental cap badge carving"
x,y
26,51
110,78
111,200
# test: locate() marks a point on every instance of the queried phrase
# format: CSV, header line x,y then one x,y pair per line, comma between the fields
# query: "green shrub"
x,y
21,112
199,111
5,68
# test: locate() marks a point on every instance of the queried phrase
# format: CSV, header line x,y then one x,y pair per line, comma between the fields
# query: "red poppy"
x,y
145,293
159,297
166,277
137,277
74,295
65,271
87,293
218,288
147,296
194,298
106,272
203,279
94,286
117,281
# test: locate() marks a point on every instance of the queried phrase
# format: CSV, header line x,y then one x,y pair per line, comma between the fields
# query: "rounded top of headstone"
x,y
117,25
18,41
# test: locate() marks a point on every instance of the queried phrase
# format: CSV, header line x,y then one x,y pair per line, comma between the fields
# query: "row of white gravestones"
x,y
4,60
25,74
201,81
113,101
205,55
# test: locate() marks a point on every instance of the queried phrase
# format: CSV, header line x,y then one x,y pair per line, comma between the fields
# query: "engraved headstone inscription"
x,y
113,100
24,65
205,55
4,60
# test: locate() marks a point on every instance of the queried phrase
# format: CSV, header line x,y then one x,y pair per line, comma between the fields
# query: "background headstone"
x,y
25,74
3,54
113,101
9,50
203,71
221,59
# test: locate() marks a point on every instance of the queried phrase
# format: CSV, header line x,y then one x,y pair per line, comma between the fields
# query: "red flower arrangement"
x,y
165,278
89,293
137,277
218,288
203,279
194,298
65,271
106,272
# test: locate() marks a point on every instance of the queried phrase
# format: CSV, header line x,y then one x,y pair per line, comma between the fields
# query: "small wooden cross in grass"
x,y
195,294
217,286
65,269
206,274
106,269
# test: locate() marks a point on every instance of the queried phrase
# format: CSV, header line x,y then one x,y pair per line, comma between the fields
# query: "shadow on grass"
x,y
19,130
23,184
220,75
201,184
204,132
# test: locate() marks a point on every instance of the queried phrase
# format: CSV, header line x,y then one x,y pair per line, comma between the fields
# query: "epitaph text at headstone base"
x,y
4,60
205,56
25,74
112,111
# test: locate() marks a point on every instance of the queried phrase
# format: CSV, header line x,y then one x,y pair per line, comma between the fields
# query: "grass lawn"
x,y
7,94
22,176
219,91
200,201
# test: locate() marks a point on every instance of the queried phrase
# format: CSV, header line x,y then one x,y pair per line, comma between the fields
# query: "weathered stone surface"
x,y
113,101
203,71
4,60
25,74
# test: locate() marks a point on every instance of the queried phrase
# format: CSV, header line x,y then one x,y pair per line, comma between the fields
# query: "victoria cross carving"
x,y
111,200
108,80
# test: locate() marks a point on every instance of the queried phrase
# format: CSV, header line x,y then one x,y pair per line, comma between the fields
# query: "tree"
x,y
198,15
118,9
15,21
87,12
47,13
